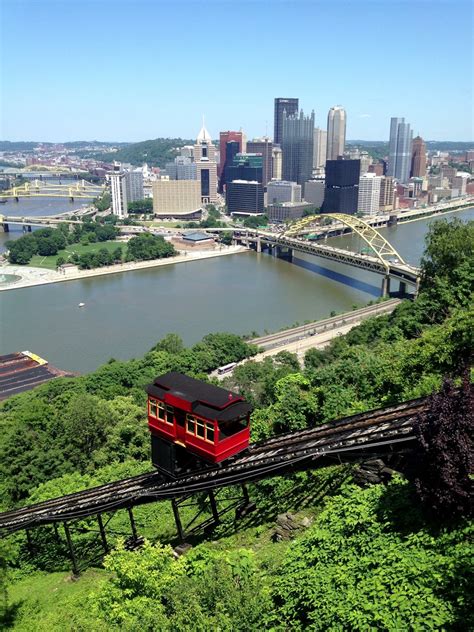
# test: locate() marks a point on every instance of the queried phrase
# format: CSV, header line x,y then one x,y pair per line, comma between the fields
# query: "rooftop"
x,y
23,371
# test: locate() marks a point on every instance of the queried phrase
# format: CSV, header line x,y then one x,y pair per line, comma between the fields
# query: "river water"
x,y
126,314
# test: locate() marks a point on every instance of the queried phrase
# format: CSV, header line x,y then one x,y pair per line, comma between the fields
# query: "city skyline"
x,y
82,91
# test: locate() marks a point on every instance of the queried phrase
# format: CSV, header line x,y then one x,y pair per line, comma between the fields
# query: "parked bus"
x,y
226,368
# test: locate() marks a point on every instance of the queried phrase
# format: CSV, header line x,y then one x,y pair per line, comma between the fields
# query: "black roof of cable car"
x,y
212,402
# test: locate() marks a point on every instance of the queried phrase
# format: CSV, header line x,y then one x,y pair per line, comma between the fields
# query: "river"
x,y
126,314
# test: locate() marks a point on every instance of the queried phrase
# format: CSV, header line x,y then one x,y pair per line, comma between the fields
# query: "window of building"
x,y
205,182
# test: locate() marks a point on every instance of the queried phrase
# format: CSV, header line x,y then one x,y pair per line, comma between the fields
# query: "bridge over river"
x,y
378,256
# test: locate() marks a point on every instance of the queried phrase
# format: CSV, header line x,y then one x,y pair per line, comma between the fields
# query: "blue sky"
x,y
137,69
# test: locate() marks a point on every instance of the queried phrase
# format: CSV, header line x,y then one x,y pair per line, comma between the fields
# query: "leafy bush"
x,y
354,570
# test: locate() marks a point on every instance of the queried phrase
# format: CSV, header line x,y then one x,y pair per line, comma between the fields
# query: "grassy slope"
x,y
46,602
52,602
38,261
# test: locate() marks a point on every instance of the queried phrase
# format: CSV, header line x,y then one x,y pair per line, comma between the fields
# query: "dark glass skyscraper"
x,y
281,105
342,186
297,146
232,148
245,167
244,197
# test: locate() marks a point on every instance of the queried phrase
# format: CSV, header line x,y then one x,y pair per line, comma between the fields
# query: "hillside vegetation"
x,y
156,153
391,556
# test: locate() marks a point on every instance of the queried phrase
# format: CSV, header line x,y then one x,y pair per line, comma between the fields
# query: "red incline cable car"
x,y
190,420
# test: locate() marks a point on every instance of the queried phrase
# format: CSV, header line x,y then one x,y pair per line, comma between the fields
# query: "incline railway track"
x,y
376,432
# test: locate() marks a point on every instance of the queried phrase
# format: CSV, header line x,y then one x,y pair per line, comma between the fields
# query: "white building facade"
x,y
369,194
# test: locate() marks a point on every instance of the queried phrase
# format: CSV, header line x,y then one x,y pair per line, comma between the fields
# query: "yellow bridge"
x,y
82,189
377,254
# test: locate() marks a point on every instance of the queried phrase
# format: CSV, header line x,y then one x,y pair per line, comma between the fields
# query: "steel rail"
x,y
351,436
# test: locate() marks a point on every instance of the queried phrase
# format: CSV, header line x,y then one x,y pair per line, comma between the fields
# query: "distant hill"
x,y
155,153
7,145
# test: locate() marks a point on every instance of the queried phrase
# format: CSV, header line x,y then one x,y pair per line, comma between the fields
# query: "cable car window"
x,y
200,429
229,428
153,408
191,424
169,414
161,411
210,432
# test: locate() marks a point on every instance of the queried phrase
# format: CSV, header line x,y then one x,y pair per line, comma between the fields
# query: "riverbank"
x,y
30,276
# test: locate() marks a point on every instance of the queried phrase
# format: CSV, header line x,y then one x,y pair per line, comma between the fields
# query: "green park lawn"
x,y
37,261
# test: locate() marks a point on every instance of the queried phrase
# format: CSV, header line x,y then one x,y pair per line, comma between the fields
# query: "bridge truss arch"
x,y
382,249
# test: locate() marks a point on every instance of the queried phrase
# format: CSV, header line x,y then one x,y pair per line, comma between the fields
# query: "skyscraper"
x,y
244,197
232,148
263,146
336,132
245,167
342,186
224,138
418,158
320,148
125,187
297,146
399,158
206,166
281,105
277,162
369,194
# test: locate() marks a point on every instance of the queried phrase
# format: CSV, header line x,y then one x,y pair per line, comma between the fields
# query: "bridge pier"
x,y
259,244
4,228
284,252
385,285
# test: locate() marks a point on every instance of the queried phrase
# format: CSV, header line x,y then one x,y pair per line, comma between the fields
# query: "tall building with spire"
x,y
418,158
399,158
206,166
297,145
336,139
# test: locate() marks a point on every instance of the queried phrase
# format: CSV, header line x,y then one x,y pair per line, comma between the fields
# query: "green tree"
x,y
254,221
146,246
141,206
171,343
390,578
86,421
447,267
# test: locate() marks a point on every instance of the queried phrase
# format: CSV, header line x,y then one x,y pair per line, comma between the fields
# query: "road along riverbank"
x,y
26,276
313,335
